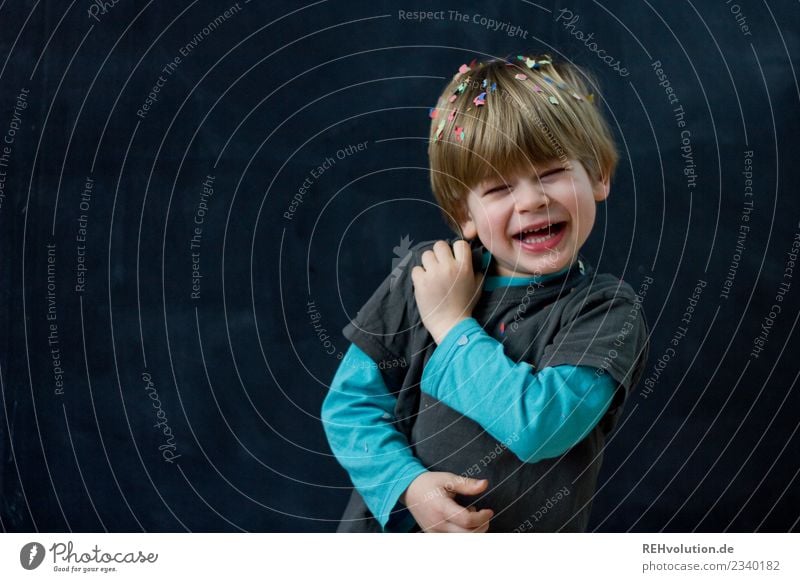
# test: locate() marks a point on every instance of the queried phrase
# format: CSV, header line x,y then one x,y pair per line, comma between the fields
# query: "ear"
x,y
468,229
601,189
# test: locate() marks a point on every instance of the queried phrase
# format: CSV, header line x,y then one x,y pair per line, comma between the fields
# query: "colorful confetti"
x,y
480,99
433,113
493,88
483,85
462,69
459,131
553,100
537,88
578,97
530,63
502,328
453,98
520,76
440,129
452,115
590,97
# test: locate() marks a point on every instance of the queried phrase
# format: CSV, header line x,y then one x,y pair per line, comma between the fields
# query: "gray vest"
x,y
578,318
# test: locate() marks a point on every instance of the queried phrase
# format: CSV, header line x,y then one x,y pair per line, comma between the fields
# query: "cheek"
x,y
590,210
500,210
498,222
490,225
587,213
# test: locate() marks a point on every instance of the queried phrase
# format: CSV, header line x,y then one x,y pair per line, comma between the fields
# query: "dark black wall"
x,y
240,373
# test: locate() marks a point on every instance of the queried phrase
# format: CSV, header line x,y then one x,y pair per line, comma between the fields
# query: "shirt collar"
x,y
492,282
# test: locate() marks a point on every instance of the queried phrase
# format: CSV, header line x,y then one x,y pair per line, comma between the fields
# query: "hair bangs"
x,y
502,117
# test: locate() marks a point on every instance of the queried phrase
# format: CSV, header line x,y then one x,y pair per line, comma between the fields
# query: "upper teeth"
x,y
535,229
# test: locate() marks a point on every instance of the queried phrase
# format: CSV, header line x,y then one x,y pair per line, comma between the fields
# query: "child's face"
x,y
553,193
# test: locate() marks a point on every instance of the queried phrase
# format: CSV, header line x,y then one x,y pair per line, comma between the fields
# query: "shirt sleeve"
x,y
604,327
386,324
357,418
538,415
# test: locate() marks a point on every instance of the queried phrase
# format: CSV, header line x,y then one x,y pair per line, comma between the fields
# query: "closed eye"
x,y
553,172
498,188
502,187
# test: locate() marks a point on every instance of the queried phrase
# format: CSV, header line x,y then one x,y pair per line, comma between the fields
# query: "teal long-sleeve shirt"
x,y
540,415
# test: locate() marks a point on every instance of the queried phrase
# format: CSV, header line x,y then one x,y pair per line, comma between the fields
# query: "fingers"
x,y
463,518
450,527
465,485
442,251
473,520
429,260
463,252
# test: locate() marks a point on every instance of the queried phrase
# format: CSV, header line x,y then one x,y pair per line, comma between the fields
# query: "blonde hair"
x,y
548,115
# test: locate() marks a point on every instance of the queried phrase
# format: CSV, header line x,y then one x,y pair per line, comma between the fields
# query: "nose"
x,y
529,196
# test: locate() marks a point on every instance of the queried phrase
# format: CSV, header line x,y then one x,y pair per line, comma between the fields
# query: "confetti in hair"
x,y
440,129
487,88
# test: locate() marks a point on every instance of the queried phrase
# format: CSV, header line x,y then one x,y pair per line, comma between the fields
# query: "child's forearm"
x,y
537,415
357,417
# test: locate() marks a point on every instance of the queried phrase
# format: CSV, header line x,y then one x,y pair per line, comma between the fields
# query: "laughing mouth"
x,y
540,235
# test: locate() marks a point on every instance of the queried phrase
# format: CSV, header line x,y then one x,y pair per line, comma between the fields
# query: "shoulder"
x,y
602,297
604,287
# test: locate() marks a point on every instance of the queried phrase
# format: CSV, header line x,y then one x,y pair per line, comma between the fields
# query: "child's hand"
x,y
429,498
446,289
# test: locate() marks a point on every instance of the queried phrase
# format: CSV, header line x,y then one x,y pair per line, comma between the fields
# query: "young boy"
x,y
484,376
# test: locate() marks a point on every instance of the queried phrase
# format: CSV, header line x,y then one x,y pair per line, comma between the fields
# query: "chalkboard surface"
x,y
182,184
